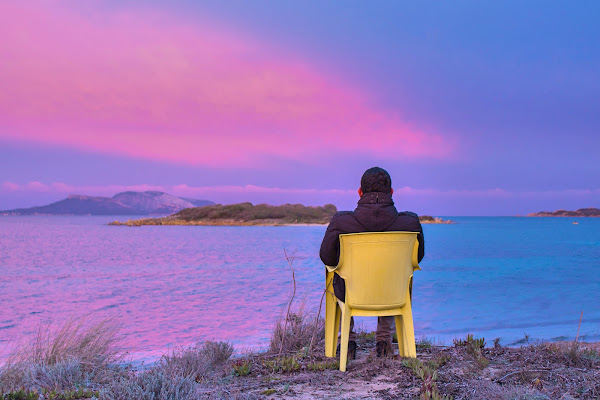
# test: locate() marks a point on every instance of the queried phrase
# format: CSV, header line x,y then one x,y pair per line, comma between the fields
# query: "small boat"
x,y
575,223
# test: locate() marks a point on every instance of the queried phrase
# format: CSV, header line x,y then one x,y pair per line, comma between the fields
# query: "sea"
x,y
516,279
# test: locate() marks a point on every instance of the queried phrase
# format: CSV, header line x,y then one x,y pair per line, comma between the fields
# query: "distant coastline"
x,y
247,214
124,203
582,212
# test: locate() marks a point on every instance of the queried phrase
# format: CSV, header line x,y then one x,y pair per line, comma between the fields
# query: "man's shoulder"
x,y
408,214
342,216
407,220
345,221
342,213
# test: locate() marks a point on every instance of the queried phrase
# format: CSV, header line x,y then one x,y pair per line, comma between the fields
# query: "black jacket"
x,y
375,213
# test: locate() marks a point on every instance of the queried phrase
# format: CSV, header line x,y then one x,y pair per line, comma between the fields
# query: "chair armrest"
x,y
415,256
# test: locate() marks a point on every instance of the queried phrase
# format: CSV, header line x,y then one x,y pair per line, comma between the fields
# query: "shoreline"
x,y
179,222
159,222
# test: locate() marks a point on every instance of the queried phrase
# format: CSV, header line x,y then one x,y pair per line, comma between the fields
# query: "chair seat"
x,y
361,312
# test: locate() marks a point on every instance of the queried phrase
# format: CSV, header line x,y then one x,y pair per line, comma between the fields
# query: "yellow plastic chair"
x,y
378,268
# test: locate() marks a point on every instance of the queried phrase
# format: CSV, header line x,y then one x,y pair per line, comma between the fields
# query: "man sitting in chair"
x,y
375,213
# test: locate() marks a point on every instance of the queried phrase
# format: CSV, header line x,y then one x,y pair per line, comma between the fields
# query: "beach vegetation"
x,y
184,374
152,384
80,353
364,336
424,343
196,361
473,347
283,364
323,365
241,367
428,374
297,334
207,371
297,329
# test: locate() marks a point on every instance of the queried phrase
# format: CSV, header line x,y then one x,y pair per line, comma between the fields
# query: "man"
x,y
375,213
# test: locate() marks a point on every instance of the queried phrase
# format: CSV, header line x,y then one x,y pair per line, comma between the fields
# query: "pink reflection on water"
x,y
168,286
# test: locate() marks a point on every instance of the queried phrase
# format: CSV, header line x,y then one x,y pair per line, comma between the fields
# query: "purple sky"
x,y
474,108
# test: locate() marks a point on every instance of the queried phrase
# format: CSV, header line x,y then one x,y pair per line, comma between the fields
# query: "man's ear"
x,y
392,189
360,192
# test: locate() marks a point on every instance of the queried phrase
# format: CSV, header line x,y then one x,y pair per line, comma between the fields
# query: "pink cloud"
x,y
187,190
36,187
194,190
64,188
149,85
10,187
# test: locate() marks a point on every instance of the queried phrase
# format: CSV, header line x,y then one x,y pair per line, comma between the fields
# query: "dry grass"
x,y
153,384
183,375
90,342
295,331
80,352
197,361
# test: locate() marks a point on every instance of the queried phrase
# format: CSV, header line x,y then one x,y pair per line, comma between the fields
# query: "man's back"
x,y
375,213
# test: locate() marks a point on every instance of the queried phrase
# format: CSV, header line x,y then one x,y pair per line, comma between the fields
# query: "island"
x,y
582,212
427,219
244,214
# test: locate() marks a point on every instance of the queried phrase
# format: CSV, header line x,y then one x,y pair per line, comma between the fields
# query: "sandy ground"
x,y
542,371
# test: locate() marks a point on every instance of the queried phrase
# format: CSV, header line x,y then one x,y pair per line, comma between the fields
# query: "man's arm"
x,y
410,221
421,239
330,247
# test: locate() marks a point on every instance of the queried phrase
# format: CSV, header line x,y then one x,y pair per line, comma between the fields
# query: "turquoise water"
x,y
496,277
510,277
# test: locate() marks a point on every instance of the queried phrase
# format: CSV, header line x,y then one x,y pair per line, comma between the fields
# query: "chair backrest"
x,y
377,268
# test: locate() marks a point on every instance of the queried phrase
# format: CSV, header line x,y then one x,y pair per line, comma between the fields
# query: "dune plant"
x,y
297,329
81,352
428,374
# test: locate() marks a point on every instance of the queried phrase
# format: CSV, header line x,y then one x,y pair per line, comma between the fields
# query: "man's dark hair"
x,y
376,180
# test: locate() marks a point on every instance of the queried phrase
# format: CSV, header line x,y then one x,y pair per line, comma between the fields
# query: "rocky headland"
x,y
427,219
582,212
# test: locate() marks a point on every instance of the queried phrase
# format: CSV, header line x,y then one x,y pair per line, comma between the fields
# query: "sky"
x,y
475,108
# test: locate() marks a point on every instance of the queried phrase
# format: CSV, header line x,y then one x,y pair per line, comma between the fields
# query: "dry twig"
x,y
290,260
579,327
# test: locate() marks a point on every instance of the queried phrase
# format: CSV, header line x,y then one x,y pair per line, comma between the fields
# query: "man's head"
x,y
375,180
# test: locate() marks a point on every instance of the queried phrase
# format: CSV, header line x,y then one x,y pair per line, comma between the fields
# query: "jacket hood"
x,y
376,211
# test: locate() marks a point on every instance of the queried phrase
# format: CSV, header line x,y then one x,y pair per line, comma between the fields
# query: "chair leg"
x,y
409,332
331,321
400,333
345,334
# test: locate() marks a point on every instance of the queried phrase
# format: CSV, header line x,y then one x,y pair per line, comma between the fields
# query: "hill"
x,y
125,203
582,212
243,214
